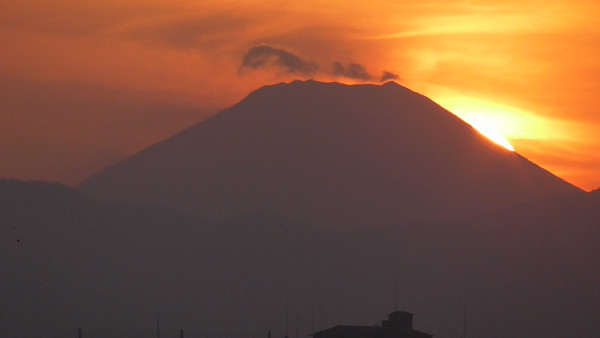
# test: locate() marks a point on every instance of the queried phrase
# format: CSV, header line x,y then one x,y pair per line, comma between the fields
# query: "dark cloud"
x,y
351,71
265,55
388,76
261,56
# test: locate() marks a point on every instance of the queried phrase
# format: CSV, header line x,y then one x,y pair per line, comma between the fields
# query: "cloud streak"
x,y
264,55
350,71
389,76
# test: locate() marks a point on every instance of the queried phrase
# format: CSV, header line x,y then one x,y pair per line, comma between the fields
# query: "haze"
x,y
84,84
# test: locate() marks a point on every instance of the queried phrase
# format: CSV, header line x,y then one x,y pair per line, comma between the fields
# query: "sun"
x,y
490,119
486,129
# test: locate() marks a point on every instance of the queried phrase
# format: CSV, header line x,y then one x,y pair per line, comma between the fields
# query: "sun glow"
x,y
489,119
486,128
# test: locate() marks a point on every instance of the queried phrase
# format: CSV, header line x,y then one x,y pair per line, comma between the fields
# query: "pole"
x,y
158,324
312,318
396,293
465,321
286,319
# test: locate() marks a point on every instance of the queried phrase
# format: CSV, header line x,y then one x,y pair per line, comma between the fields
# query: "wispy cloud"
x,y
264,55
388,76
351,71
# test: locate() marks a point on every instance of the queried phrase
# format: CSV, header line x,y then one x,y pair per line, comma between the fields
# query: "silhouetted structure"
x,y
398,325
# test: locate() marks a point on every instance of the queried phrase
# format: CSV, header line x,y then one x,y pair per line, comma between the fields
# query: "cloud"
x,y
207,32
264,55
351,71
388,76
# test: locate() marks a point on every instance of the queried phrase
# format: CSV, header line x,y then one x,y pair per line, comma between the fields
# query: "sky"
x,y
84,84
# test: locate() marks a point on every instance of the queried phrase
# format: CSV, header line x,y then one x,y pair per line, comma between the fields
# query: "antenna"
x,y
312,317
158,324
286,318
320,323
396,293
465,320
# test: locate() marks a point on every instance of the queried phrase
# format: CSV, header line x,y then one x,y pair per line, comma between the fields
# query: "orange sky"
x,y
86,83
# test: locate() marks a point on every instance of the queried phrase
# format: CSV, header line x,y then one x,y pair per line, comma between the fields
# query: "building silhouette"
x,y
398,325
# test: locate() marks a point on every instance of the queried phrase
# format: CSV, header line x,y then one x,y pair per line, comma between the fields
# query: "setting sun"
x,y
491,120
487,130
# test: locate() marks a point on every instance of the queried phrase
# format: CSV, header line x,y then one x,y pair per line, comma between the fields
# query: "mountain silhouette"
x,y
330,154
411,193
596,194
70,261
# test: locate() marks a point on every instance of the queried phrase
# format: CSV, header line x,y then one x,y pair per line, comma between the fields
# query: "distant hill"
x,y
596,194
69,261
330,154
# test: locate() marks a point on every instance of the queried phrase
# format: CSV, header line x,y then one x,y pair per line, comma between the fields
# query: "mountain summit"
x,y
330,154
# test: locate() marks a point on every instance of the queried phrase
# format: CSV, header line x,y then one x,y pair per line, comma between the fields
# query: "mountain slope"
x,y
329,154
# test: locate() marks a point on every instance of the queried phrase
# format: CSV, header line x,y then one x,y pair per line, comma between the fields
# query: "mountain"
x,y
70,261
411,192
329,154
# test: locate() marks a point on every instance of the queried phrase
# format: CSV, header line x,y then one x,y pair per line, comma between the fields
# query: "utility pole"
x,y
158,324
396,293
312,318
465,320
286,319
